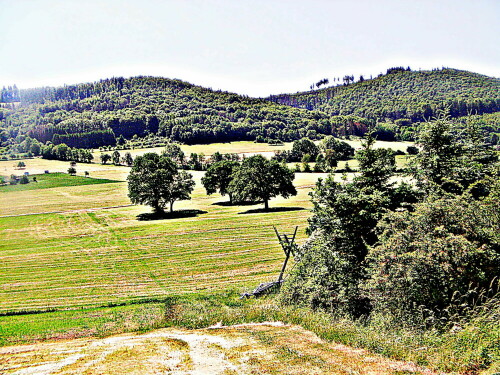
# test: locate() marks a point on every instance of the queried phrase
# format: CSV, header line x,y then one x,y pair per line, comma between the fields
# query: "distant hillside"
x,y
111,111
403,94
97,114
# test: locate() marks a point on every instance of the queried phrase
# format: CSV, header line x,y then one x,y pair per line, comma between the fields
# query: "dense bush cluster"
x,y
63,152
416,251
326,155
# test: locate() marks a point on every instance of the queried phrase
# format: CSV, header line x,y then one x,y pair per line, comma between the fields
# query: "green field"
x,y
72,247
53,180
86,258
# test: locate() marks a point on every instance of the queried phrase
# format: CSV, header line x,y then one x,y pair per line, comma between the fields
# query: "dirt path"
x,y
269,348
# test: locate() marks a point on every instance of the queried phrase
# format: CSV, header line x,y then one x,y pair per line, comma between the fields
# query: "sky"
x,y
252,47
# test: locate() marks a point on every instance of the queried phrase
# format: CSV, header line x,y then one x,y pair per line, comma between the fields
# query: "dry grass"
x,y
246,349
83,256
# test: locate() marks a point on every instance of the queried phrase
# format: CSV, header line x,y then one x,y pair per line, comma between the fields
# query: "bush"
x,y
446,248
412,150
325,277
24,180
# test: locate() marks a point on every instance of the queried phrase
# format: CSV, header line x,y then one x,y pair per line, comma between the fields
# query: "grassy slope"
x,y
81,258
471,350
106,257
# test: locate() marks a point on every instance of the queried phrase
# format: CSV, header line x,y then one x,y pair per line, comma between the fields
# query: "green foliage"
x,y
330,268
63,152
446,246
385,132
326,276
24,180
116,110
71,171
260,179
116,158
413,95
180,188
451,160
174,152
412,150
425,244
105,158
128,159
219,176
349,213
154,180
305,146
376,165
339,149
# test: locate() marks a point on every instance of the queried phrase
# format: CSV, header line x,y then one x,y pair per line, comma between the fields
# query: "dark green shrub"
x,y
446,247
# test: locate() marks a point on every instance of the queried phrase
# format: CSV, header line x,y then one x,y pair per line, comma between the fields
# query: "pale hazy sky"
x,y
253,47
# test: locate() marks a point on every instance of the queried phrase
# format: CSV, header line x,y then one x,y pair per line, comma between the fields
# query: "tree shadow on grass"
x,y
169,215
229,204
272,209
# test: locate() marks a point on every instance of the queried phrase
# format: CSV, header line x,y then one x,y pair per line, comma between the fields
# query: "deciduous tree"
x,y
116,158
105,158
155,181
218,177
259,178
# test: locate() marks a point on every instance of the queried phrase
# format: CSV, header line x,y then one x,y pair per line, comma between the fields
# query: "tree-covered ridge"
x,y
404,94
96,114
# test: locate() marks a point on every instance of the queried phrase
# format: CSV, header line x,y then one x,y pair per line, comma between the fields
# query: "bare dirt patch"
x,y
269,348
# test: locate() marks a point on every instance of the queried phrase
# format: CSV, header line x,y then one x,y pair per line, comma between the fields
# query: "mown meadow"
x,y
78,255
74,242
77,259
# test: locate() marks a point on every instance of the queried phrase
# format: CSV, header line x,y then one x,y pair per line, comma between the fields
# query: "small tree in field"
x,y
218,177
259,178
116,158
72,171
155,181
105,158
128,159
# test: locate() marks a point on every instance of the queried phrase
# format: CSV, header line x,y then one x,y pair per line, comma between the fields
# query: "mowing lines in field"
x,y
95,258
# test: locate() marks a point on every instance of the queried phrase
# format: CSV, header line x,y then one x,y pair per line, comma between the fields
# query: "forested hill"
x,y
97,114
404,94
103,113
